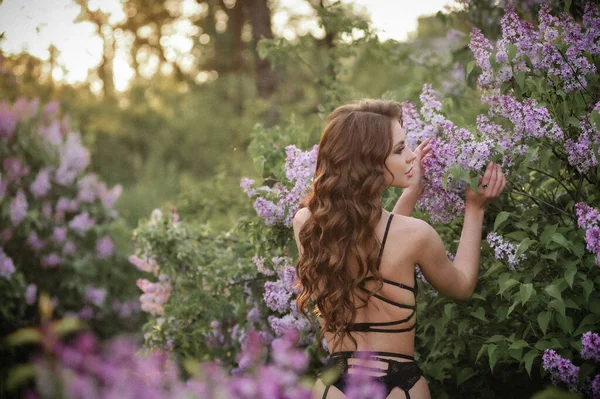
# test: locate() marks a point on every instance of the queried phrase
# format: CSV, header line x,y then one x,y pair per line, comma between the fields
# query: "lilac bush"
x,y
279,204
57,222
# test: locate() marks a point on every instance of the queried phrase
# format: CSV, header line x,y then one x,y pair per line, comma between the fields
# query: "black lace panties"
x,y
401,374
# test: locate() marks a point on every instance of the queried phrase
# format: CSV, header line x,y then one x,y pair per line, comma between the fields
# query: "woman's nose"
x,y
411,156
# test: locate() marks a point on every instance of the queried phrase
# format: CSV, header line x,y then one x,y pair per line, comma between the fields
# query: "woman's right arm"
x,y
458,279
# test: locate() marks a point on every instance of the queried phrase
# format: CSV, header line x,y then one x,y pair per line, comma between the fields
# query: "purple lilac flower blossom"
x,y
482,49
41,185
82,223
69,248
87,188
74,158
590,346
51,260
18,208
7,121
95,295
580,151
561,370
59,235
7,267
108,197
588,218
105,247
52,133
503,250
35,242
276,296
279,204
31,294
14,169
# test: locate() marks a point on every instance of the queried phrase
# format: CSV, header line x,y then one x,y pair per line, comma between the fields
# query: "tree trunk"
x,y
260,18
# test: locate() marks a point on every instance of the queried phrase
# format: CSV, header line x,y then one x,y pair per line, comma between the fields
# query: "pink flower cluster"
x,y
588,218
279,204
155,294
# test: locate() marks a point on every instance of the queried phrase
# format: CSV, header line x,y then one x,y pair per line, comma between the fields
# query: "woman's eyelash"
x,y
399,150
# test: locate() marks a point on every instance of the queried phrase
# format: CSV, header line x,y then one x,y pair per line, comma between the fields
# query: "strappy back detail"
x,y
377,327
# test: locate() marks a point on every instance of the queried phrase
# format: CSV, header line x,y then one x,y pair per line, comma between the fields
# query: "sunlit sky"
x,y
34,25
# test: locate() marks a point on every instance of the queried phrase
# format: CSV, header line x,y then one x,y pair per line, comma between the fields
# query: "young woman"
x,y
357,261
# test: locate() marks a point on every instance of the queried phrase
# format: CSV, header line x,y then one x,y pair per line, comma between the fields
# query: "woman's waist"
x,y
397,343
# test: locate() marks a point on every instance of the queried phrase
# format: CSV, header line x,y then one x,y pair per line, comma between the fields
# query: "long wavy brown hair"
x,y
349,181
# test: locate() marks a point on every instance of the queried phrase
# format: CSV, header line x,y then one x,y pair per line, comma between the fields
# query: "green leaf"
x,y
481,351
559,305
586,324
570,276
27,335
543,345
511,51
520,79
448,309
543,320
464,375
526,290
495,338
67,325
479,314
586,370
19,375
492,356
507,284
519,344
587,286
553,291
500,218
470,67
513,306
523,246
259,164
561,240
547,234
566,9
528,359
595,118
571,120
565,322
552,256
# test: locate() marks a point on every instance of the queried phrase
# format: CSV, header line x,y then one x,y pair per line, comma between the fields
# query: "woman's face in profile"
x,y
400,160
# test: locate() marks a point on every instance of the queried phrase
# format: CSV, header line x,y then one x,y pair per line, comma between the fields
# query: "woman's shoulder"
x,y
300,217
408,226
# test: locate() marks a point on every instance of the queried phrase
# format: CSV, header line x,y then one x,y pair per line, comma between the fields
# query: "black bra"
x,y
381,327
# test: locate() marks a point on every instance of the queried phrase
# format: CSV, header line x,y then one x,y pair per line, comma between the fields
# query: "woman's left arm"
x,y
406,203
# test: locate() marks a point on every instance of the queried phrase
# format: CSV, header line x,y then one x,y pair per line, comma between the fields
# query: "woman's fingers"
x,y
487,176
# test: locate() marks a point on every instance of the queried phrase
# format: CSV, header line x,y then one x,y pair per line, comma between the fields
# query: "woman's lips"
x,y
409,171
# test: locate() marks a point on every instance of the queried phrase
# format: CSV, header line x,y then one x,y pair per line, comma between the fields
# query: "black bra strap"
x,y
366,327
368,355
390,282
387,228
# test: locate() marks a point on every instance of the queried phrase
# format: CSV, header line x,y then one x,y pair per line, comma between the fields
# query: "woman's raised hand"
x,y
490,186
422,152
